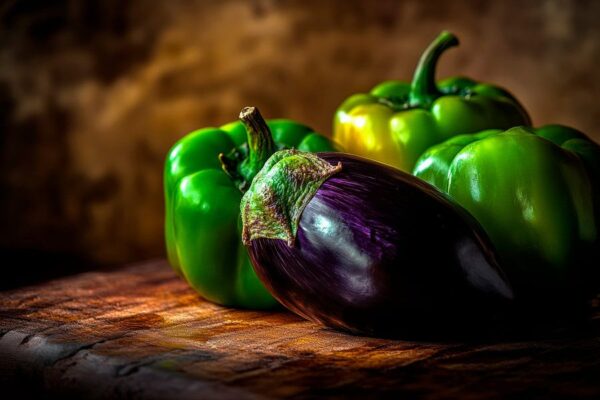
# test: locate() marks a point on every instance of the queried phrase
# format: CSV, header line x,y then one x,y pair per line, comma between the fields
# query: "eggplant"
x,y
362,247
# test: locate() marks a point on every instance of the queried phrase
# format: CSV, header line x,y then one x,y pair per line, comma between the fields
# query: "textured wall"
x,y
93,93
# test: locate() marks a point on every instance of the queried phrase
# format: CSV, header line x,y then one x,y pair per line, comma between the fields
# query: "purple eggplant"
x,y
363,247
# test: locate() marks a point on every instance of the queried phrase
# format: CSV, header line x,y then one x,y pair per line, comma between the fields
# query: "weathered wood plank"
x,y
140,332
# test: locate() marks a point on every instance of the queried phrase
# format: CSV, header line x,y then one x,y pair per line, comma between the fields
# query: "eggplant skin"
x,y
380,252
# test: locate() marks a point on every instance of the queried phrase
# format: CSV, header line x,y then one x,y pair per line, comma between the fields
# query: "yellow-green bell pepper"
x,y
397,121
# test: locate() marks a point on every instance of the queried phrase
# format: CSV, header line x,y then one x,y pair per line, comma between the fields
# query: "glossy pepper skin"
x,y
397,121
205,175
536,194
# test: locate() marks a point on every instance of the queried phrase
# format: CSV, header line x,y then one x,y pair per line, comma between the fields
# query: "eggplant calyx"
x,y
272,206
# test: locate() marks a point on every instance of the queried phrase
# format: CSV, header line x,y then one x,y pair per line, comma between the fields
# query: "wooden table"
x,y
140,332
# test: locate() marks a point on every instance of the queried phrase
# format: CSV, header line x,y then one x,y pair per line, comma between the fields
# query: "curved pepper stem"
x,y
260,143
423,88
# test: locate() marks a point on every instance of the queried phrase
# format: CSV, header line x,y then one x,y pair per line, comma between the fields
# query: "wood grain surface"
x,y
140,332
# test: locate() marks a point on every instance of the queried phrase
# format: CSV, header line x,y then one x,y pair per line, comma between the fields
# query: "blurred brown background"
x,y
93,94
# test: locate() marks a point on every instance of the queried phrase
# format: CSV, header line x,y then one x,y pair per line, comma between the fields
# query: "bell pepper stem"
x,y
260,143
423,88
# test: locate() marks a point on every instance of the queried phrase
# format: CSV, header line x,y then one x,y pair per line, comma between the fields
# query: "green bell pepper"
x,y
397,121
536,194
205,175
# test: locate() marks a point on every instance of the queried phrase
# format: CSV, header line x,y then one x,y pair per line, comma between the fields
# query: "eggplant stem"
x,y
260,143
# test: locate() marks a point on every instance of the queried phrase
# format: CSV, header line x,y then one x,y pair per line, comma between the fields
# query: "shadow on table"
x,y
26,267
